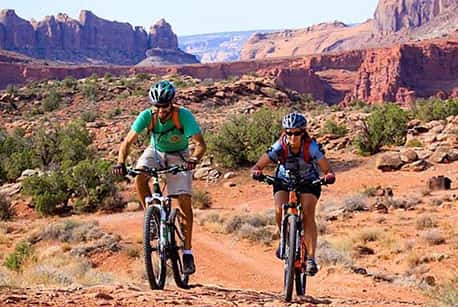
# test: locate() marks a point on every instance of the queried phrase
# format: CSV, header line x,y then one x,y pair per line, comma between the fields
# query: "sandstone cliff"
x,y
400,73
395,22
90,39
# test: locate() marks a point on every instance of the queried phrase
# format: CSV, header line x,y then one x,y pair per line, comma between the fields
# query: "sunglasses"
x,y
165,106
296,133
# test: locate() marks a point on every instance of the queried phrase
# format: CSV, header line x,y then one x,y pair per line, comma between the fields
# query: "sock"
x,y
187,252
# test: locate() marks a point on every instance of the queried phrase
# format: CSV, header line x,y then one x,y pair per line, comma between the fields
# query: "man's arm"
x,y
200,146
125,146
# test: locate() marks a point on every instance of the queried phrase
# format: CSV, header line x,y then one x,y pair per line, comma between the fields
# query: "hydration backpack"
x,y
306,149
175,119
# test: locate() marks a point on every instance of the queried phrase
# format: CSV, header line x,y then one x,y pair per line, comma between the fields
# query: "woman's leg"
x,y
280,197
308,202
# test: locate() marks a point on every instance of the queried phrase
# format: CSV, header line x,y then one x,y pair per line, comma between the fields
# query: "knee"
x,y
141,179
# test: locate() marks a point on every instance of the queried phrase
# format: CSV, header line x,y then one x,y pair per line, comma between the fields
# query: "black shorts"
x,y
304,189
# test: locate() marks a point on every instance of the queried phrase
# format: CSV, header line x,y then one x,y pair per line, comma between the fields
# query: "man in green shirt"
x,y
171,128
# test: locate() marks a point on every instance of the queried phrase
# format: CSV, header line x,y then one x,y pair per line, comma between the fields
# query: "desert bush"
x,y
108,77
328,255
445,295
369,235
52,101
15,260
433,237
90,91
70,82
74,141
355,203
386,125
403,202
6,209
47,191
425,221
15,155
242,139
12,90
45,146
201,199
256,234
69,231
331,127
89,116
92,182
434,109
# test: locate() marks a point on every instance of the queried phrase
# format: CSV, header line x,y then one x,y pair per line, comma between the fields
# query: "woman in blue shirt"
x,y
296,152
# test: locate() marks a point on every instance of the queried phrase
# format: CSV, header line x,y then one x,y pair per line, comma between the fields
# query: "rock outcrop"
x,y
395,22
395,15
90,39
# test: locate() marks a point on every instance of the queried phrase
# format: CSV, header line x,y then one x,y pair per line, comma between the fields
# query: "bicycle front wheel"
x,y
290,257
181,279
155,257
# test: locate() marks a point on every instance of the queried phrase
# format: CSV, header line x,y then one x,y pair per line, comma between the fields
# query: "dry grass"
x,y
255,227
425,221
328,254
201,199
445,295
433,237
368,235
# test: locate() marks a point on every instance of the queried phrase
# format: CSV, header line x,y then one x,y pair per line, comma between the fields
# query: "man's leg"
x,y
184,201
141,183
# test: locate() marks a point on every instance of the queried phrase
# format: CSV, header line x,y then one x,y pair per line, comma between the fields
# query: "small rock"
x,y
229,175
229,184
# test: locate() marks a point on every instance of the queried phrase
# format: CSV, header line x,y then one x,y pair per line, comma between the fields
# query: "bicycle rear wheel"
x,y
181,279
290,257
155,258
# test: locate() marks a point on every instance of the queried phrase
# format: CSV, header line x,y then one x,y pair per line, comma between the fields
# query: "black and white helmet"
x,y
294,121
161,93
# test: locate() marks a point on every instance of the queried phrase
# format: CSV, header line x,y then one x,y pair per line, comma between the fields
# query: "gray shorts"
x,y
178,184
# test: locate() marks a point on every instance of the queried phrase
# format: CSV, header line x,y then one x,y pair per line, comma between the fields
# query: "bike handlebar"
x,y
156,171
285,183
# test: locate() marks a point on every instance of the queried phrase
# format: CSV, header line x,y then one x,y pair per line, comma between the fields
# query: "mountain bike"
x,y
163,236
292,244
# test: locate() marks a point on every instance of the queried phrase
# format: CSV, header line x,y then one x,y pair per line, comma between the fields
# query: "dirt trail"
x,y
227,266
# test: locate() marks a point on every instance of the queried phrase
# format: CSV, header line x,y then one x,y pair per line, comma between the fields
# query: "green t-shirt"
x,y
174,139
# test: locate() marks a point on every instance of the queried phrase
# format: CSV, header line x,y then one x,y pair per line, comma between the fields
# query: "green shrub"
x,y
16,163
90,91
15,260
434,109
108,77
15,155
52,101
386,125
89,116
92,182
48,192
242,139
70,82
331,127
45,145
74,140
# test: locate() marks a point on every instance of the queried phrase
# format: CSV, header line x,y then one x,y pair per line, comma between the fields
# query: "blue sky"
x,y
205,16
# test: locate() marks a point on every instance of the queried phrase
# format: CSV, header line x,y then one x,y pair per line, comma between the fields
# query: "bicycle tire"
x,y
290,257
177,248
155,258
301,281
